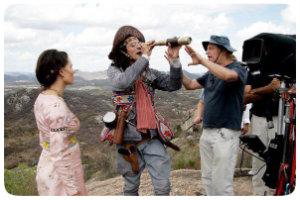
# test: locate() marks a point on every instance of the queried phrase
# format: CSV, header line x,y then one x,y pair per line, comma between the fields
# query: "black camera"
x,y
271,54
272,156
254,143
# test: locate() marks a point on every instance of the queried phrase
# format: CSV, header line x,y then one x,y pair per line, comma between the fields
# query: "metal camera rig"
x,y
274,55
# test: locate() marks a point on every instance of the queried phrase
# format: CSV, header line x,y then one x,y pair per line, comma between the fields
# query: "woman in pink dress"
x,y
59,171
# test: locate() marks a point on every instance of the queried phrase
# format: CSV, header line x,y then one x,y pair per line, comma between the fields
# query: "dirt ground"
x,y
184,182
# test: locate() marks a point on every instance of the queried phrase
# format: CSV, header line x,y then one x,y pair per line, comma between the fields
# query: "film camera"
x,y
271,55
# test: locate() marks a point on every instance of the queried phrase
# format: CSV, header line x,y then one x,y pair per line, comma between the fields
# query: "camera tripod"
x,y
280,154
286,179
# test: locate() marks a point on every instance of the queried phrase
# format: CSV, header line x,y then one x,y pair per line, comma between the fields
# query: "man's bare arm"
x,y
221,72
190,84
268,89
198,118
253,95
250,97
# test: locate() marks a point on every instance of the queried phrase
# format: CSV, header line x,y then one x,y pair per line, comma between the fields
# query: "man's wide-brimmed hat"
x,y
123,33
219,40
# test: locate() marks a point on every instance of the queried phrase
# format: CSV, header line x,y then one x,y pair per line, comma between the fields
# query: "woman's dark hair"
x,y
119,59
48,65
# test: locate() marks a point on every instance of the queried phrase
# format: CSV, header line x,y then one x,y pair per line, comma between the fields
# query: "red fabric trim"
x,y
281,189
145,114
293,167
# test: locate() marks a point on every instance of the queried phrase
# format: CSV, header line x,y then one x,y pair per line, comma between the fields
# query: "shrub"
x,y
180,162
191,163
21,181
178,130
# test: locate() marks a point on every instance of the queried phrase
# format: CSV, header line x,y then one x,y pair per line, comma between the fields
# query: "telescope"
x,y
174,41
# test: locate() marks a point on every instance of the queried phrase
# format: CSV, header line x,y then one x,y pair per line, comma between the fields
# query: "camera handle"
x,y
268,113
287,129
281,108
287,168
274,154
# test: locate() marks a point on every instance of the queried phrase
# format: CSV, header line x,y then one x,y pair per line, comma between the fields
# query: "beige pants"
x,y
218,151
260,128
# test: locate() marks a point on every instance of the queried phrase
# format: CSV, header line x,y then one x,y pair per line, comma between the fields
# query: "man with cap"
x,y
224,85
133,85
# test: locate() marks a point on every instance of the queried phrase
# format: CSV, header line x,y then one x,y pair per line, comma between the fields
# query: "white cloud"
x,y
37,16
222,23
13,34
27,56
20,61
86,32
260,27
25,37
289,14
91,37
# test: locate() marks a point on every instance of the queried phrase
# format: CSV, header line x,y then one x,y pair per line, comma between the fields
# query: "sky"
x,y
86,31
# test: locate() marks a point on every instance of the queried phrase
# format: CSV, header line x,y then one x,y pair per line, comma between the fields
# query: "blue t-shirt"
x,y
223,101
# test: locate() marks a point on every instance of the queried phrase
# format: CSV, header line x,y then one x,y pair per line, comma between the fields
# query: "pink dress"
x,y
59,171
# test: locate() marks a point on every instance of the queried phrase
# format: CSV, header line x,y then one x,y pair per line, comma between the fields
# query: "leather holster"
x,y
130,155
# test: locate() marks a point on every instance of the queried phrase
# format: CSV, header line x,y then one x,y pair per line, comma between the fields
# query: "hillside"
x,y
21,141
96,80
21,135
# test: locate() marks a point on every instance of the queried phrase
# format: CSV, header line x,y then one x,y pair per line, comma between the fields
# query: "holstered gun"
x,y
130,155
119,132
172,146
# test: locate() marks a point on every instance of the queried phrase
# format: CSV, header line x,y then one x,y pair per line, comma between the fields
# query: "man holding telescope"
x,y
224,85
139,123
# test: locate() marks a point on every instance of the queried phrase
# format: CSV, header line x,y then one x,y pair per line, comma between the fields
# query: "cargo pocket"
x,y
228,134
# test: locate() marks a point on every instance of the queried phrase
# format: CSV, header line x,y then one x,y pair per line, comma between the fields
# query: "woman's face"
x,y
134,48
68,73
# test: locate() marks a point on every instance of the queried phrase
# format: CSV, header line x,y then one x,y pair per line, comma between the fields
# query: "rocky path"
x,y
184,182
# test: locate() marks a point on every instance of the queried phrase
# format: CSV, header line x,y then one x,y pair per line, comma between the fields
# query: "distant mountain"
x,y
90,75
82,78
192,75
20,73
20,78
10,77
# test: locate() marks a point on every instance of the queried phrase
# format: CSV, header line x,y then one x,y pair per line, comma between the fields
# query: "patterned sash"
x,y
125,101
72,141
